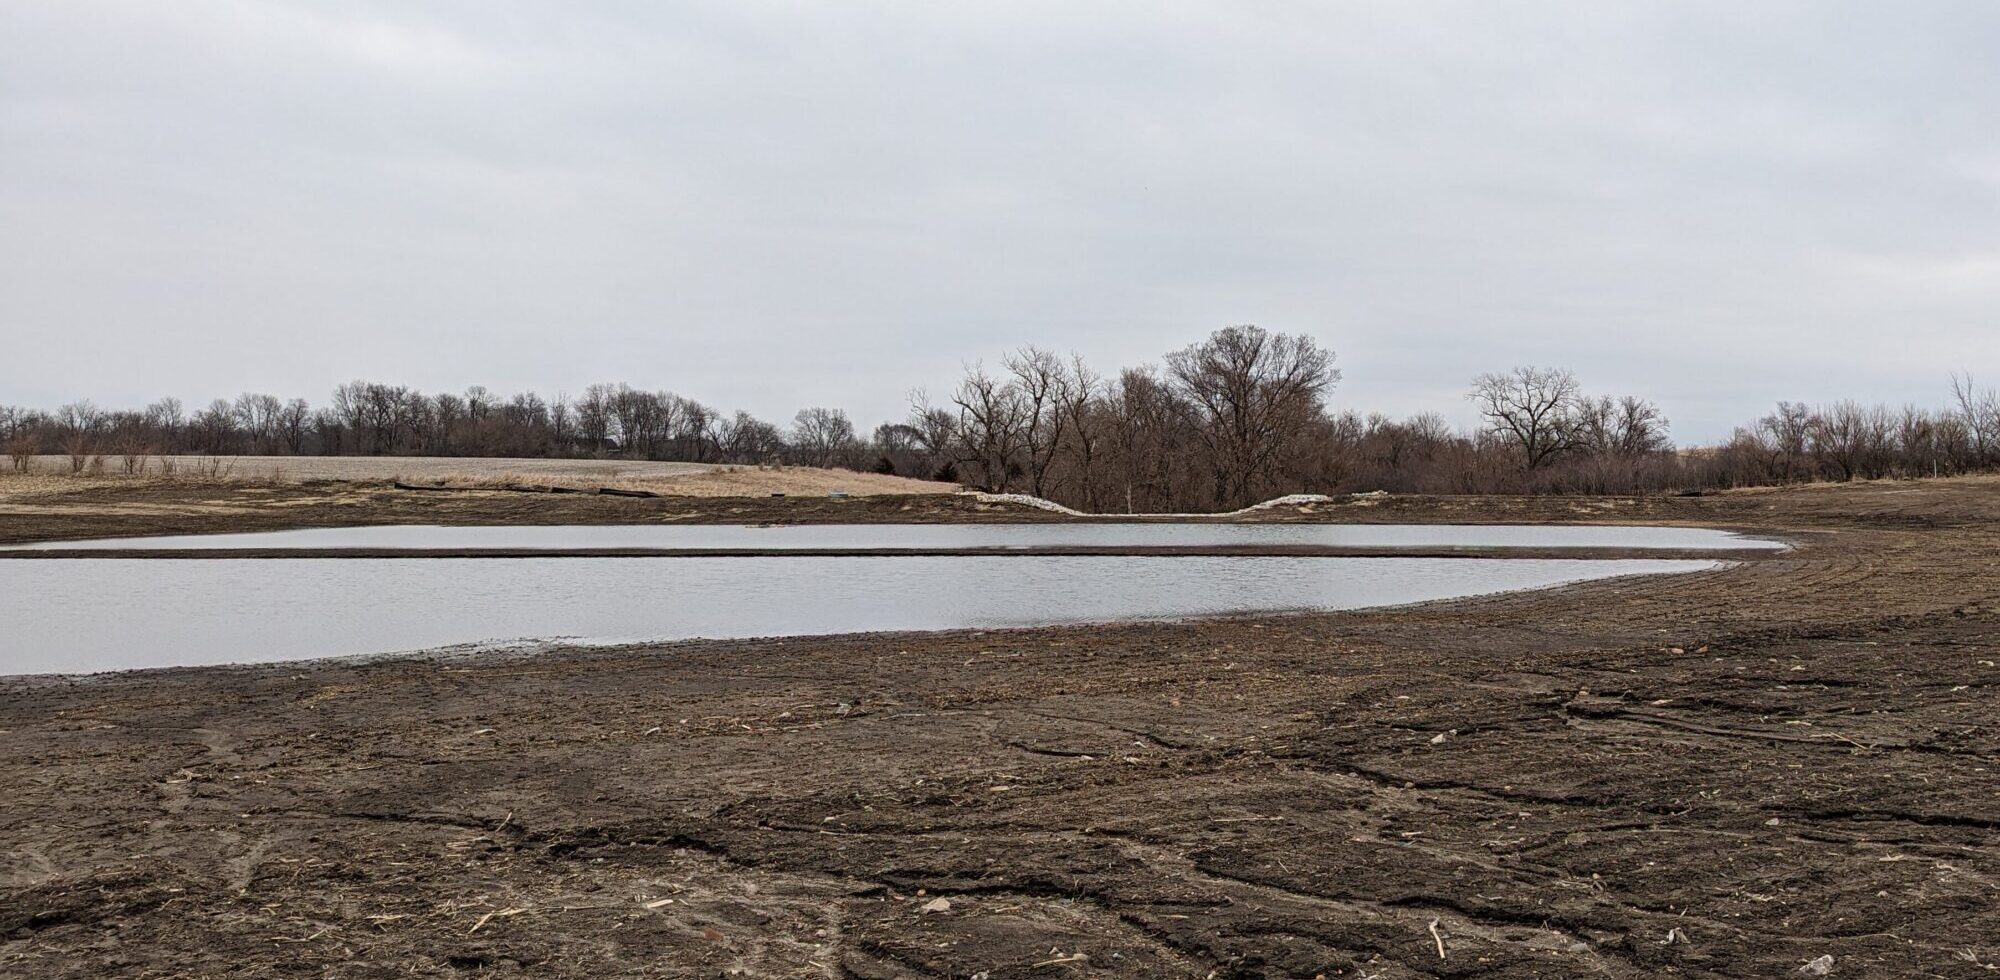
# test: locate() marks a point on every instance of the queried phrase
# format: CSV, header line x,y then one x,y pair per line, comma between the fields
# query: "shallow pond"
x,y
929,536
93,614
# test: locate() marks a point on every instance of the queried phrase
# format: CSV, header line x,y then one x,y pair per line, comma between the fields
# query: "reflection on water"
x,y
95,614
958,536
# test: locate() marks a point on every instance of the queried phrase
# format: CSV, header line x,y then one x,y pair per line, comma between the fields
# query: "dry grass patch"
x,y
42,483
433,469
48,481
750,481
722,481
50,475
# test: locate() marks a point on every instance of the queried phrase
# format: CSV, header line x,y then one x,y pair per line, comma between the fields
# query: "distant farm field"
x,y
689,479
394,467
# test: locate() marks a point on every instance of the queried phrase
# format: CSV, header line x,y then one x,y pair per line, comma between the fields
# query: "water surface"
x,y
93,614
925,536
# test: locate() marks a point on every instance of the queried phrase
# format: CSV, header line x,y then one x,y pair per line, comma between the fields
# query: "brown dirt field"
x,y
1727,774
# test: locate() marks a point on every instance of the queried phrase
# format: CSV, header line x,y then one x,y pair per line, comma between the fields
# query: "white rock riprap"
x,y
1026,500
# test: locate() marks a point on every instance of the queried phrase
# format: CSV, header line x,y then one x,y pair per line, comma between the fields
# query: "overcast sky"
x,y
766,206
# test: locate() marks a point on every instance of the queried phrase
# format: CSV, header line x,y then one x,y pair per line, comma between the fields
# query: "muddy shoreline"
x,y
113,508
1724,774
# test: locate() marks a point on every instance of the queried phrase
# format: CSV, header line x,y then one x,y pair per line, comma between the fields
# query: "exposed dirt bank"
x,y
52,510
1727,774
61,508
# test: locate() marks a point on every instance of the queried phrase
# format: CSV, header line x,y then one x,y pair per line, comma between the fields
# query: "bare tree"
x,y
593,416
257,418
294,424
1626,428
1980,412
165,419
1247,393
1534,408
562,424
1429,434
78,423
131,454
350,407
17,433
897,449
1148,437
1918,442
478,401
937,434
989,427
823,437
328,431
1039,381
392,410
1087,418
21,450
744,438
646,420
1837,438
1786,432
448,414
1952,442
214,428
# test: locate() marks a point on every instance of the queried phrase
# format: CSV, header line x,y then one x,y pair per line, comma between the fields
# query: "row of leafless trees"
x,y
1242,417
1239,417
366,418
1848,440
1235,418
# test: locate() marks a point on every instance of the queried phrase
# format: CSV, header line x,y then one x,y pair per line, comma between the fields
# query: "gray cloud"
x,y
772,205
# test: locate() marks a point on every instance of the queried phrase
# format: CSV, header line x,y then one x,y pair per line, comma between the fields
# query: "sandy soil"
x,y
1785,764
680,479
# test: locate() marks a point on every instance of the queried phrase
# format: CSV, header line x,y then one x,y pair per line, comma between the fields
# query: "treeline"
x,y
1242,417
1239,417
368,419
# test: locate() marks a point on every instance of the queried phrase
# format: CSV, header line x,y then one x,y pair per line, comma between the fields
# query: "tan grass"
x,y
675,479
722,481
45,482
750,481
293,469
